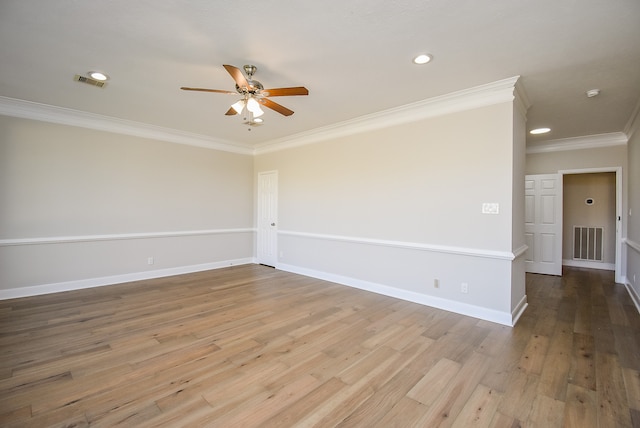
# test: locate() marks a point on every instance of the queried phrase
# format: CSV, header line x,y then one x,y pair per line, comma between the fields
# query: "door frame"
x,y
619,217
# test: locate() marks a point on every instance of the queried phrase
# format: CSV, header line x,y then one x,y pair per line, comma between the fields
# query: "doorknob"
x,y
273,224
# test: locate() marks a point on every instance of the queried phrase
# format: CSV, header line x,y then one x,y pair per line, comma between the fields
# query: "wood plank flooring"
x,y
250,346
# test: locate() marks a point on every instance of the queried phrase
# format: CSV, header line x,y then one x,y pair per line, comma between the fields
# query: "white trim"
x,y
519,310
65,116
634,121
521,101
476,97
616,169
632,244
117,237
520,251
58,287
578,143
473,252
632,293
492,315
588,264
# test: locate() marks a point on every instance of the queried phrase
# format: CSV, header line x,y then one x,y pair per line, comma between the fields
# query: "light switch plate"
x,y
490,208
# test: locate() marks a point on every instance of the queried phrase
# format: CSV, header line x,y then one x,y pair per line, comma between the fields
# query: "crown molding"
x,y
467,99
579,143
66,116
634,122
497,92
521,101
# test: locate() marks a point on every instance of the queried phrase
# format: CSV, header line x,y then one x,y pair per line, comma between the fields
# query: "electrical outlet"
x,y
149,260
436,283
464,288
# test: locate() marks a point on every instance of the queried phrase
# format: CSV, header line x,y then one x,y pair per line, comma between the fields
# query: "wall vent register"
x,y
89,81
588,243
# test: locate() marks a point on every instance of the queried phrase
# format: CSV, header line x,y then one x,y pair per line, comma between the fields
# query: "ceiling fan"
x,y
253,93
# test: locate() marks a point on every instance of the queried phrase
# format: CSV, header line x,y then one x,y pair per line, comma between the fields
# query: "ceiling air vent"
x,y
89,81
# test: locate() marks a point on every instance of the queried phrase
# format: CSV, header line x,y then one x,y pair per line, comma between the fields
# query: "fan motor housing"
x,y
254,87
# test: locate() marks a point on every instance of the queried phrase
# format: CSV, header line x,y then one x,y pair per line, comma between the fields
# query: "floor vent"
x,y
588,243
89,81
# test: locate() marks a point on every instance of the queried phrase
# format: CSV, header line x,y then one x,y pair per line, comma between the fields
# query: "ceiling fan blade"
x,y
284,92
275,106
237,75
207,90
231,112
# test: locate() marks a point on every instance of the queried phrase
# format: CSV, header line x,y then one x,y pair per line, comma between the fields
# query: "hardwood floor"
x,y
251,346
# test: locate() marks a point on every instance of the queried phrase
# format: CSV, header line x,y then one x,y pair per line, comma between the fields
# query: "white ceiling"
x,y
354,56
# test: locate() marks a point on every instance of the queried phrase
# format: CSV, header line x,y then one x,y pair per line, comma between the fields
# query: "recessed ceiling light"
x,y
539,131
98,76
422,59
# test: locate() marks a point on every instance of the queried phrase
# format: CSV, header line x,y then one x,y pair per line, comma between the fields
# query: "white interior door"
x,y
267,241
543,223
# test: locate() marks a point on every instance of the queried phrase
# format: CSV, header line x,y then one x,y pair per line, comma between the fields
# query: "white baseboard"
x,y
504,318
519,310
588,265
58,287
632,293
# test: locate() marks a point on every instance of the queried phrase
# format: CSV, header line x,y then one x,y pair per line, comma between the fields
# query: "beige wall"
x,y
396,208
80,204
59,180
420,182
552,162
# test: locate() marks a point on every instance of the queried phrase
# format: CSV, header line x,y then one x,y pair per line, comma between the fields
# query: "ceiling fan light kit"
x,y
254,107
238,106
253,94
